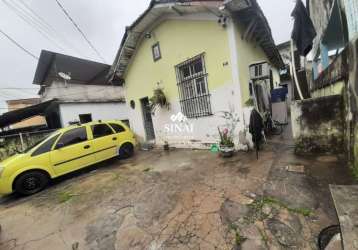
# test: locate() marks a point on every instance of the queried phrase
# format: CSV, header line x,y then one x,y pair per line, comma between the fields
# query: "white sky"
x,y
103,21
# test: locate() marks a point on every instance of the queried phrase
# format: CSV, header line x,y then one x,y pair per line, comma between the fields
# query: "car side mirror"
x,y
60,145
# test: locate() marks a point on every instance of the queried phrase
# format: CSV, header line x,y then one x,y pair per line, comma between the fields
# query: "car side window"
x,y
72,137
101,130
118,128
46,147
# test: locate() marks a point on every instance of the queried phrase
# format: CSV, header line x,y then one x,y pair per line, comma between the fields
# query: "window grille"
x,y
193,89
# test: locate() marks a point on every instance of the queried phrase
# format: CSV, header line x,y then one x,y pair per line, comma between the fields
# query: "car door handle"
x,y
87,147
114,138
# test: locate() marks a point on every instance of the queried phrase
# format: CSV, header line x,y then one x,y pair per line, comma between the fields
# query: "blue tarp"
x,y
279,95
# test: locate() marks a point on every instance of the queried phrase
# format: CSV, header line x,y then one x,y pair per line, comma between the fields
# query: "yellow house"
x,y
198,53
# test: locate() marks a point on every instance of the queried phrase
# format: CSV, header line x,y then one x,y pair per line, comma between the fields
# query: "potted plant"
x,y
227,133
227,145
158,100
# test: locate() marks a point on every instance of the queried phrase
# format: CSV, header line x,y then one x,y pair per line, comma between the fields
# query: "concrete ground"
x,y
182,199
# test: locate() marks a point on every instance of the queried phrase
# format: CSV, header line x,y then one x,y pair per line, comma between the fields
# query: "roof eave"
x,y
127,50
245,10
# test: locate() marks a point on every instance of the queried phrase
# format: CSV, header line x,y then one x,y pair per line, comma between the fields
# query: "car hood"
x,y
12,159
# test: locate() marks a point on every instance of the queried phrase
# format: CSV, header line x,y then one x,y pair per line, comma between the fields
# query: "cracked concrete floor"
x,y
182,199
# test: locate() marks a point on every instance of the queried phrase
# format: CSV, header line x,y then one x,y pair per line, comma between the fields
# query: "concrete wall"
x,y
334,89
318,125
81,92
351,104
69,112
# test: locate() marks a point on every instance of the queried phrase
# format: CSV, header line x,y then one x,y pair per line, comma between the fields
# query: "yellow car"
x,y
65,151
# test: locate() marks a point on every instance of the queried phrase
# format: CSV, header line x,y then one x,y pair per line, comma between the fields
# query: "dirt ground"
x,y
182,199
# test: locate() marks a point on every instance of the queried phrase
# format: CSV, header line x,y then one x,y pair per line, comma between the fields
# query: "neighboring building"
x,y
86,97
23,103
199,53
335,73
286,79
303,69
336,24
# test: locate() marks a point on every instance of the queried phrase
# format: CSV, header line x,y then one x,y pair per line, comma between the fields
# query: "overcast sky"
x,y
103,21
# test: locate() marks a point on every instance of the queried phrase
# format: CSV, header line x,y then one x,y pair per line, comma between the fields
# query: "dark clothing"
x,y
256,126
303,31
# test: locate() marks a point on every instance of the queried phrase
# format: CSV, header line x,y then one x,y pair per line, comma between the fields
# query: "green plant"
x,y
238,238
65,196
257,207
225,138
227,132
158,100
303,211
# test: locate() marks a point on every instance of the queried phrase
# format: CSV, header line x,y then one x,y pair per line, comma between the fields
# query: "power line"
x,y
18,45
29,20
79,30
31,15
49,27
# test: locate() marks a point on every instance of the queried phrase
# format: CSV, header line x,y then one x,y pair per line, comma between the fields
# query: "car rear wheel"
x,y
31,182
126,151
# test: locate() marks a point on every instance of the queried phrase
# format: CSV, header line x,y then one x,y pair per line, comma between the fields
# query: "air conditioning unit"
x,y
259,71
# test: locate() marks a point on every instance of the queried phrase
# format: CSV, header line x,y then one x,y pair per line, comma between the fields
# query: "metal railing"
x,y
335,72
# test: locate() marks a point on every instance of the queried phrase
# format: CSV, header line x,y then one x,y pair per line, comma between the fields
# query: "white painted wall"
x,y
70,112
205,129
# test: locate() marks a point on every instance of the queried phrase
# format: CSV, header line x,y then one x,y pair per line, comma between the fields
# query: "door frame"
x,y
145,110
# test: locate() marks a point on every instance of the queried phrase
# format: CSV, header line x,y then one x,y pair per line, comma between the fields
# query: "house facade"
x,y
198,53
84,96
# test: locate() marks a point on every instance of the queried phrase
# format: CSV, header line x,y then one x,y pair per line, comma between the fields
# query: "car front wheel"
x,y
31,182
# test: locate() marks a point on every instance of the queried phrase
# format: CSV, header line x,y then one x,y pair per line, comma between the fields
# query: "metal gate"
x,y
147,118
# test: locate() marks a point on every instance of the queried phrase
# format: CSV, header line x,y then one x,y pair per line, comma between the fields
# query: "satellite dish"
x,y
64,76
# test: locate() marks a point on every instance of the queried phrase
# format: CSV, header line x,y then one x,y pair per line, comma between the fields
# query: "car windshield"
x,y
39,142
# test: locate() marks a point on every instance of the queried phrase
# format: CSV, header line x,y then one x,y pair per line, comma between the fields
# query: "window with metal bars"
x,y
193,87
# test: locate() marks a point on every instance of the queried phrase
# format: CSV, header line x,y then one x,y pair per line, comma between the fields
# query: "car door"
x,y
73,151
104,141
121,133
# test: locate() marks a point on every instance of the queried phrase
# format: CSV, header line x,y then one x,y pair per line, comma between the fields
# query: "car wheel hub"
x,y
31,183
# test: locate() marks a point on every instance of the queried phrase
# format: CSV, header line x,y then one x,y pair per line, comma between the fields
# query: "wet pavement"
x,y
182,199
